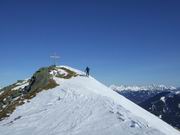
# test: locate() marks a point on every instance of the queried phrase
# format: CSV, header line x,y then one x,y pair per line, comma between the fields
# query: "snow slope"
x,y
82,106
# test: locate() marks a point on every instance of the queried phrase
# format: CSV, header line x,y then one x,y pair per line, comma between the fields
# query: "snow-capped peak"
x,y
139,88
81,105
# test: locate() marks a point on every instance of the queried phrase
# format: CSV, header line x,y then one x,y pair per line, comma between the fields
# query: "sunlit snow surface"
x,y
82,106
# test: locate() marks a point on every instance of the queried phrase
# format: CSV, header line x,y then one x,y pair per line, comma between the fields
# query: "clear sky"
x,y
122,41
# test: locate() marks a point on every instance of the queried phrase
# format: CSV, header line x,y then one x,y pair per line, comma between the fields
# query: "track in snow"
x,y
68,113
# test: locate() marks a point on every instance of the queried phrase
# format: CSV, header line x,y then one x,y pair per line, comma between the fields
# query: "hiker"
x,y
87,71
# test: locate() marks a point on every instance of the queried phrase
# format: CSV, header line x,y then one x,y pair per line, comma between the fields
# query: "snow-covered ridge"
x,y
81,105
139,88
79,72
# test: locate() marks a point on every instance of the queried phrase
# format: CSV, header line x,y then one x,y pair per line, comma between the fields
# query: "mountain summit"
x,y
63,101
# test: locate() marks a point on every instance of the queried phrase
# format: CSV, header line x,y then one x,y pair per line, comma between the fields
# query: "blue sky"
x,y
122,41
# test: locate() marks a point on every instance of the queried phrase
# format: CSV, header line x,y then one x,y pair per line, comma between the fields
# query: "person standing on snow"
x,y
87,71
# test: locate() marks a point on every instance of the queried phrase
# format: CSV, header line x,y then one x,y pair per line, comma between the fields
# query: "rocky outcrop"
x,y
16,94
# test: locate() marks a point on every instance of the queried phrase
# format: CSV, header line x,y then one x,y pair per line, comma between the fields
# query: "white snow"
x,y
177,92
82,106
139,88
163,99
58,71
21,85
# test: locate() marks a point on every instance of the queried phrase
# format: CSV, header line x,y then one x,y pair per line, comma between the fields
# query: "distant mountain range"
x,y
139,94
138,88
165,105
161,100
